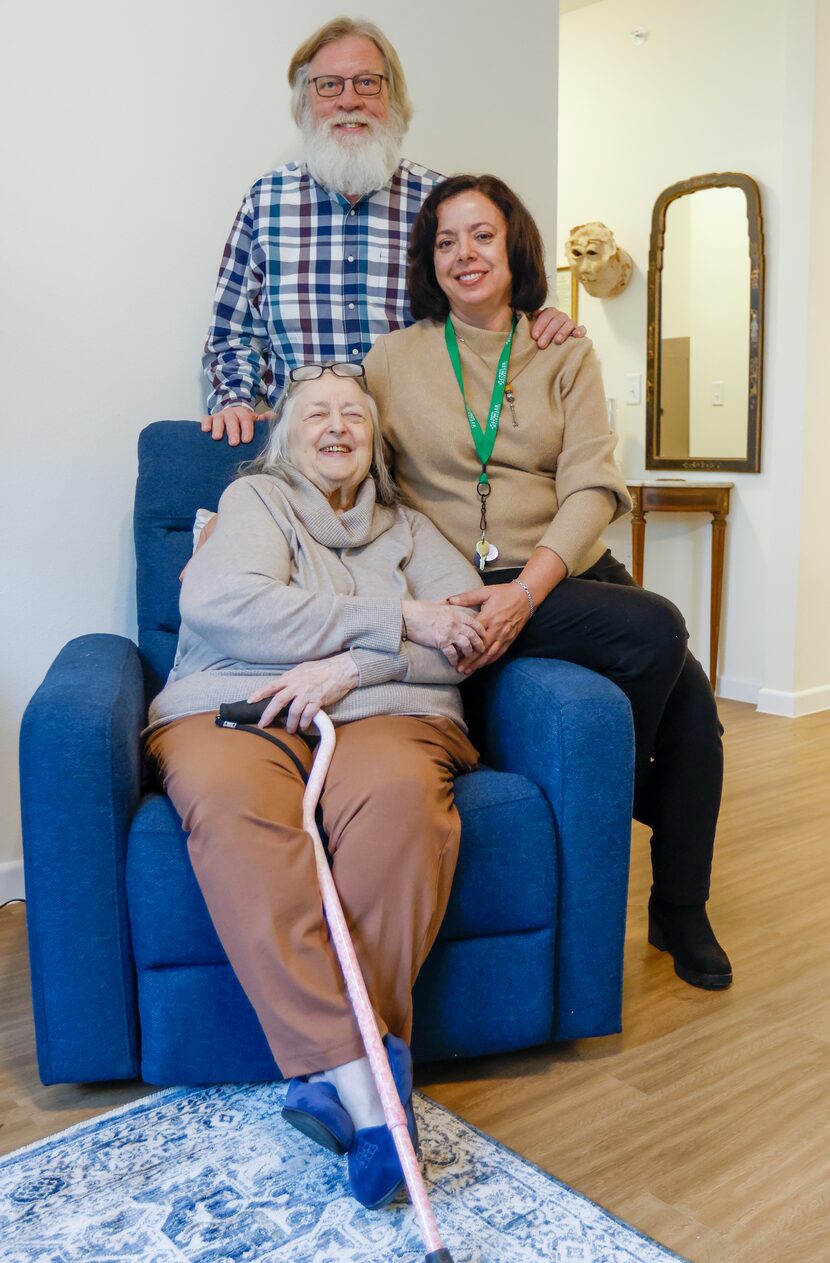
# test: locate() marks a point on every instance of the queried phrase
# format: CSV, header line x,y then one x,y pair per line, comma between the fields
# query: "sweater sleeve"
x,y
435,570
379,383
236,594
376,366
590,489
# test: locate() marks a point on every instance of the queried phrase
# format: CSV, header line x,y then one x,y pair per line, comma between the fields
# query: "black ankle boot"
x,y
685,932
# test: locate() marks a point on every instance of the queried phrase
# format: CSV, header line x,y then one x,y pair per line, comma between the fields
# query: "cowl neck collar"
x,y
353,528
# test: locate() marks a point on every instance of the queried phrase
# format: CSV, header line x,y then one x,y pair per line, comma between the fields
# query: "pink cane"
x,y
375,1051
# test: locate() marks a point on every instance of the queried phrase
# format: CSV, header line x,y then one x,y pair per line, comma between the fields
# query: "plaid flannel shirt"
x,y
306,276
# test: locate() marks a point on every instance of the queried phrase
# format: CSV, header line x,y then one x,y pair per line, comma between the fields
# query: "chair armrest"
x,y
80,774
569,730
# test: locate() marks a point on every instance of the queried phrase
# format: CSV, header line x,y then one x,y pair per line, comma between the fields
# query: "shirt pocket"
x,y
386,298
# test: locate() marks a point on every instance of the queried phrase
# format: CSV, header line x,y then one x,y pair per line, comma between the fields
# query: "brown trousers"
x,y
393,834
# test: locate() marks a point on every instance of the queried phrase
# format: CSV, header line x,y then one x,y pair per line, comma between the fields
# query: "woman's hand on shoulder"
x,y
504,610
307,688
458,633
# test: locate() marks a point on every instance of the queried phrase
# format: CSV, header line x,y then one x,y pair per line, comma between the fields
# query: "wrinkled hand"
x,y
237,421
435,624
305,689
552,325
504,611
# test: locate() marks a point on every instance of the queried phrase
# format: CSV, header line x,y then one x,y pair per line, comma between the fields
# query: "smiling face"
x,y
471,263
348,115
331,436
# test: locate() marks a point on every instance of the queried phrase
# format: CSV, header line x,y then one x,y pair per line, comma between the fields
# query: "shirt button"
x,y
351,258
351,306
355,351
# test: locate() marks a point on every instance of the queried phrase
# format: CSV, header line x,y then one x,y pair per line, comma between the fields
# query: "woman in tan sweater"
x,y
506,448
317,588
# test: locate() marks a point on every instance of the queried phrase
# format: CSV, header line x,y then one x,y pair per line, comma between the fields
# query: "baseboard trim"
x,y
11,881
794,705
735,689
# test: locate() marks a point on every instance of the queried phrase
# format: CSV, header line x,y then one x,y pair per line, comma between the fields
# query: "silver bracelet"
x,y
526,591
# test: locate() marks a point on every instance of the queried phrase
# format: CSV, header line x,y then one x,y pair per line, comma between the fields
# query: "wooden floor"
x,y
707,1122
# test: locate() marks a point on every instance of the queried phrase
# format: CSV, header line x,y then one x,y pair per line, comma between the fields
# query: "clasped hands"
x,y
467,640
503,610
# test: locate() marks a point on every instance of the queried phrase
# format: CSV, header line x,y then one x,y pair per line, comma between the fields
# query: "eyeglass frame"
x,y
352,79
328,367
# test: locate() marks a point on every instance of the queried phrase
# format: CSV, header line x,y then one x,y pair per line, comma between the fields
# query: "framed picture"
x,y
567,293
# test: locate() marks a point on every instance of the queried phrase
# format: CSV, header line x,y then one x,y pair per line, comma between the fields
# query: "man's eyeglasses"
x,y
310,372
333,85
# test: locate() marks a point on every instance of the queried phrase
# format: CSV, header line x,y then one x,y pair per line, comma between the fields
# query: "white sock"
x,y
356,1089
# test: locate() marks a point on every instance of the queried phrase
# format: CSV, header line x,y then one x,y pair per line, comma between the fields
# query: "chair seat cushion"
x,y
505,881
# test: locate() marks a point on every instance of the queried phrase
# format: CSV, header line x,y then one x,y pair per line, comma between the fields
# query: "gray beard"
x,y
352,165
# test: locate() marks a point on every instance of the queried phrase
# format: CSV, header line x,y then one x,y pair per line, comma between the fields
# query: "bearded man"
x,y
315,266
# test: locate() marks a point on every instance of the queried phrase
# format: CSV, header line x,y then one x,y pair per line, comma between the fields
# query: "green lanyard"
x,y
485,440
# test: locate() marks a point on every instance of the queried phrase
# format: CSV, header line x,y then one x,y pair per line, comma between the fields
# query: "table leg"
x,y
638,544
718,538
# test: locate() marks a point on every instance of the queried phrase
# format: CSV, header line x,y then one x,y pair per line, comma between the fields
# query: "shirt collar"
x,y
339,199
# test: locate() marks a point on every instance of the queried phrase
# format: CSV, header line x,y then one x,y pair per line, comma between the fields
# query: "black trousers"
x,y
603,620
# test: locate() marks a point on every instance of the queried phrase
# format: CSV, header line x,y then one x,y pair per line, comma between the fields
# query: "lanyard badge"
x,y
484,439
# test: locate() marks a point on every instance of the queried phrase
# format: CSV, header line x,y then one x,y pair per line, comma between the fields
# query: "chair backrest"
x,y
180,470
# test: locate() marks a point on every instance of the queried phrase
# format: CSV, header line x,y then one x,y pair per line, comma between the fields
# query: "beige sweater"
x,y
554,481
285,579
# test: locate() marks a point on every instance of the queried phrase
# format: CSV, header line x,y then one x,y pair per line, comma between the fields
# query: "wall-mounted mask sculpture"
x,y
705,326
597,261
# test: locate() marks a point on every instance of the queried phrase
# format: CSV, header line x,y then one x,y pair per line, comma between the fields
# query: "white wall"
x,y
716,87
130,133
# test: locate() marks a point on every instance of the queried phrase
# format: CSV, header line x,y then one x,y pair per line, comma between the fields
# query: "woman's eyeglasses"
x,y
310,372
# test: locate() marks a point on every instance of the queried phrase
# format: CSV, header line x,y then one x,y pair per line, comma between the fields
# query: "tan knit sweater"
x,y
285,579
554,481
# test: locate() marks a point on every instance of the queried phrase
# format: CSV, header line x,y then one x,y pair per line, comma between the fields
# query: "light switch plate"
x,y
634,388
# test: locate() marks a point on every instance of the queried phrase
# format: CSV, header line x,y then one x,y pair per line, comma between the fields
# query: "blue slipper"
x,y
375,1172
316,1111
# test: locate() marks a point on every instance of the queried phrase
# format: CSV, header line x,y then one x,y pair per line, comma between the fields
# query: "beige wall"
x,y
716,87
813,629
130,133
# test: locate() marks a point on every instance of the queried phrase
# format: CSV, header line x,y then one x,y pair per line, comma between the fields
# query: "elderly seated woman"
x,y
318,589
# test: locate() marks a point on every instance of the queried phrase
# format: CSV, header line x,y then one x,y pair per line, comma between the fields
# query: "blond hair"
x,y
339,28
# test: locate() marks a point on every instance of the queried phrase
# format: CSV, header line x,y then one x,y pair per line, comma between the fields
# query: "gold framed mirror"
x,y
705,326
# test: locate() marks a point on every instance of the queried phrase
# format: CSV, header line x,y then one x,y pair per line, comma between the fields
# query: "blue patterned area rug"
x,y
213,1175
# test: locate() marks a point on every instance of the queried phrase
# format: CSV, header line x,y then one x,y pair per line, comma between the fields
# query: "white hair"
x,y
353,166
275,455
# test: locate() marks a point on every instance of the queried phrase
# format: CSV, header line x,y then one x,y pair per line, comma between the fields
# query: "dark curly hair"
x,y
525,252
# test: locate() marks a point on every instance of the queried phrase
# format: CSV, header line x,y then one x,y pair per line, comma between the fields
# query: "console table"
x,y
676,495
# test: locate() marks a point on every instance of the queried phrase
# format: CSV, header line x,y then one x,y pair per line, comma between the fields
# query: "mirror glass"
x,y
704,328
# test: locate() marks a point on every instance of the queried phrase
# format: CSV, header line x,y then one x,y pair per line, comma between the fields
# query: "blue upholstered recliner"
x,y
128,976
